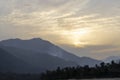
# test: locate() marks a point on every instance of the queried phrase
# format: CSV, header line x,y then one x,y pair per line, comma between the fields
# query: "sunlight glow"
x,y
75,36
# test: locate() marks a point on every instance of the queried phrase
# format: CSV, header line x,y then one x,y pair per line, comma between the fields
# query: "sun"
x,y
75,37
78,35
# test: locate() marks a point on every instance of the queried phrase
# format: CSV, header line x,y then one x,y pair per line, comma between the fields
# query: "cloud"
x,y
44,22
64,22
34,12
97,51
64,14
109,50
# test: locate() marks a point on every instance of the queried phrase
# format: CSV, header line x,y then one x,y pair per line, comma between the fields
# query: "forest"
x,y
104,70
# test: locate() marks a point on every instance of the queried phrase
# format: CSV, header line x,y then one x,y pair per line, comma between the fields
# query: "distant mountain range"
x,y
37,55
112,58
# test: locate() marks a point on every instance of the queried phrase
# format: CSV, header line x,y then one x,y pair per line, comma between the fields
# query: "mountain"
x,y
112,58
40,60
89,61
45,47
10,63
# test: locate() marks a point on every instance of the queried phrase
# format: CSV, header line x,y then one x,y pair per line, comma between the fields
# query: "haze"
x,y
84,27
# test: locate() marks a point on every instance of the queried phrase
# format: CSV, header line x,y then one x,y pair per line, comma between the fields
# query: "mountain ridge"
x,y
112,58
43,54
43,46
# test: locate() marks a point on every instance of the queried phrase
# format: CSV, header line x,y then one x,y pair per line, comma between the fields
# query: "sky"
x,y
84,27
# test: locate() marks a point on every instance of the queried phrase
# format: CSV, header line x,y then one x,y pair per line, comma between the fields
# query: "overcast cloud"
x,y
60,20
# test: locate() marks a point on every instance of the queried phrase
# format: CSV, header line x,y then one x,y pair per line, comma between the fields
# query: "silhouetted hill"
x,y
10,63
112,58
45,47
44,61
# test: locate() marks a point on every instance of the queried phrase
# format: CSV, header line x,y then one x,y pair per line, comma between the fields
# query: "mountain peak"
x,y
36,39
17,39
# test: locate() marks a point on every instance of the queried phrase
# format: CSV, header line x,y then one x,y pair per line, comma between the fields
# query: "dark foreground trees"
x,y
109,70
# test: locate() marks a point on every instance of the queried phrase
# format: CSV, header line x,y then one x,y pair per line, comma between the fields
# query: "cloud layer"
x,y
78,23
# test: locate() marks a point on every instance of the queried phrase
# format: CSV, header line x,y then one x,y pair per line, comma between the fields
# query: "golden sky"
x,y
71,24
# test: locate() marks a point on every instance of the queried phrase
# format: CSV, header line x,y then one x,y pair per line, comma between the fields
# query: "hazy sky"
x,y
84,27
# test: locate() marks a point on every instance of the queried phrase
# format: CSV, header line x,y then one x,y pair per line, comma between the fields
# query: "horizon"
x,y
60,47
83,27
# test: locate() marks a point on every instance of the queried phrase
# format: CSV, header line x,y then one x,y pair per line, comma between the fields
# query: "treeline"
x,y
108,70
104,70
